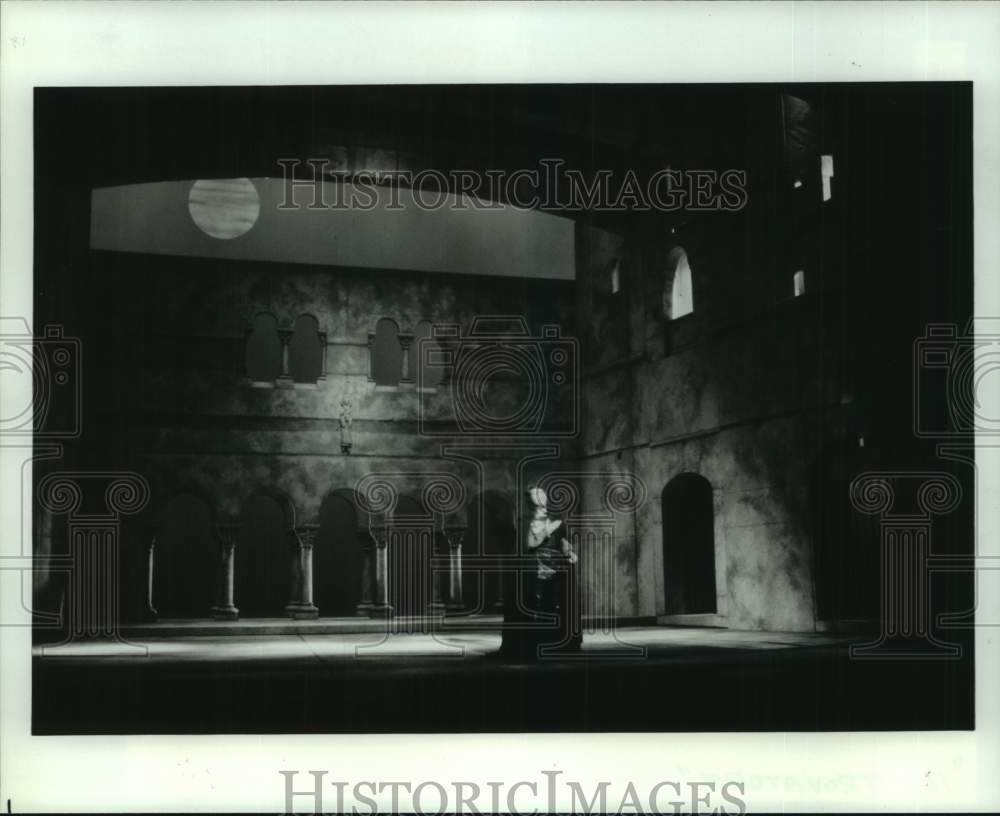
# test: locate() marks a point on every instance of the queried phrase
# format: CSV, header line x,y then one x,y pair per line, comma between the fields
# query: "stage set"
x,y
308,347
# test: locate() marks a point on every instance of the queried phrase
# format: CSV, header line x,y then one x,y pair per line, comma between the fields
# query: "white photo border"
x,y
184,43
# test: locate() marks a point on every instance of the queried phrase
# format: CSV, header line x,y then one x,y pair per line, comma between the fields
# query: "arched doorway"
x,y
490,534
688,546
263,558
337,557
411,541
185,560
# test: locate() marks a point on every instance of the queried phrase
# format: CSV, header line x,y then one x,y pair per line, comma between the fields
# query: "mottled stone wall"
x,y
167,393
746,392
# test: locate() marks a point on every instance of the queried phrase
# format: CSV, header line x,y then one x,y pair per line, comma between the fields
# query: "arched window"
x,y
799,283
678,293
263,355
305,351
616,277
387,354
425,376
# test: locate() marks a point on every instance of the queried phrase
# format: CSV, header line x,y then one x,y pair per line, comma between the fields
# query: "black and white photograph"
x,y
499,408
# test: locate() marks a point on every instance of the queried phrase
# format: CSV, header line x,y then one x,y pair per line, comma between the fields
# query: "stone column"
x,y
456,600
371,353
365,605
226,535
301,606
151,611
381,607
322,359
405,341
437,606
285,377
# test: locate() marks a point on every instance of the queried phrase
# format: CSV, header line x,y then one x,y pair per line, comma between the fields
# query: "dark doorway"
x,y
337,557
185,560
263,559
411,537
490,534
688,546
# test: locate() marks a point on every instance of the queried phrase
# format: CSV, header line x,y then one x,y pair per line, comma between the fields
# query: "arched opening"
x,y
185,560
263,354
422,347
688,546
411,542
337,557
263,558
387,353
305,351
490,533
678,290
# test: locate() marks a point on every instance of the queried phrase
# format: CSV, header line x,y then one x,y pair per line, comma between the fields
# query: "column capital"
x,y
227,534
306,534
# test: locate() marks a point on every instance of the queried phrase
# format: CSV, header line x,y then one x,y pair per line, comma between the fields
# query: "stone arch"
x,y
411,541
264,554
339,555
385,353
689,579
490,533
305,350
185,557
263,349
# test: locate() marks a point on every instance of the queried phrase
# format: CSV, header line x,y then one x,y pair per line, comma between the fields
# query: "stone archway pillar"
x,y
365,604
301,606
226,535
456,595
381,608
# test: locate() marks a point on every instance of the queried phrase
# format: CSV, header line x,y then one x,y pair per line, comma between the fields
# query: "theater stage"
x,y
317,679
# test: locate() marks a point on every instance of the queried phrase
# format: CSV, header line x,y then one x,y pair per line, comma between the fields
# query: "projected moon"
x,y
224,208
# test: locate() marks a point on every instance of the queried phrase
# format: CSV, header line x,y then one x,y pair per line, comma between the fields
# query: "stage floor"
x,y
643,678
204,645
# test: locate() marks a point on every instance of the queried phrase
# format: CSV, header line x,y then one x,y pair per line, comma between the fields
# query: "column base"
x,y
436,609
300,611
454,606
363,609
225,613
380,611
